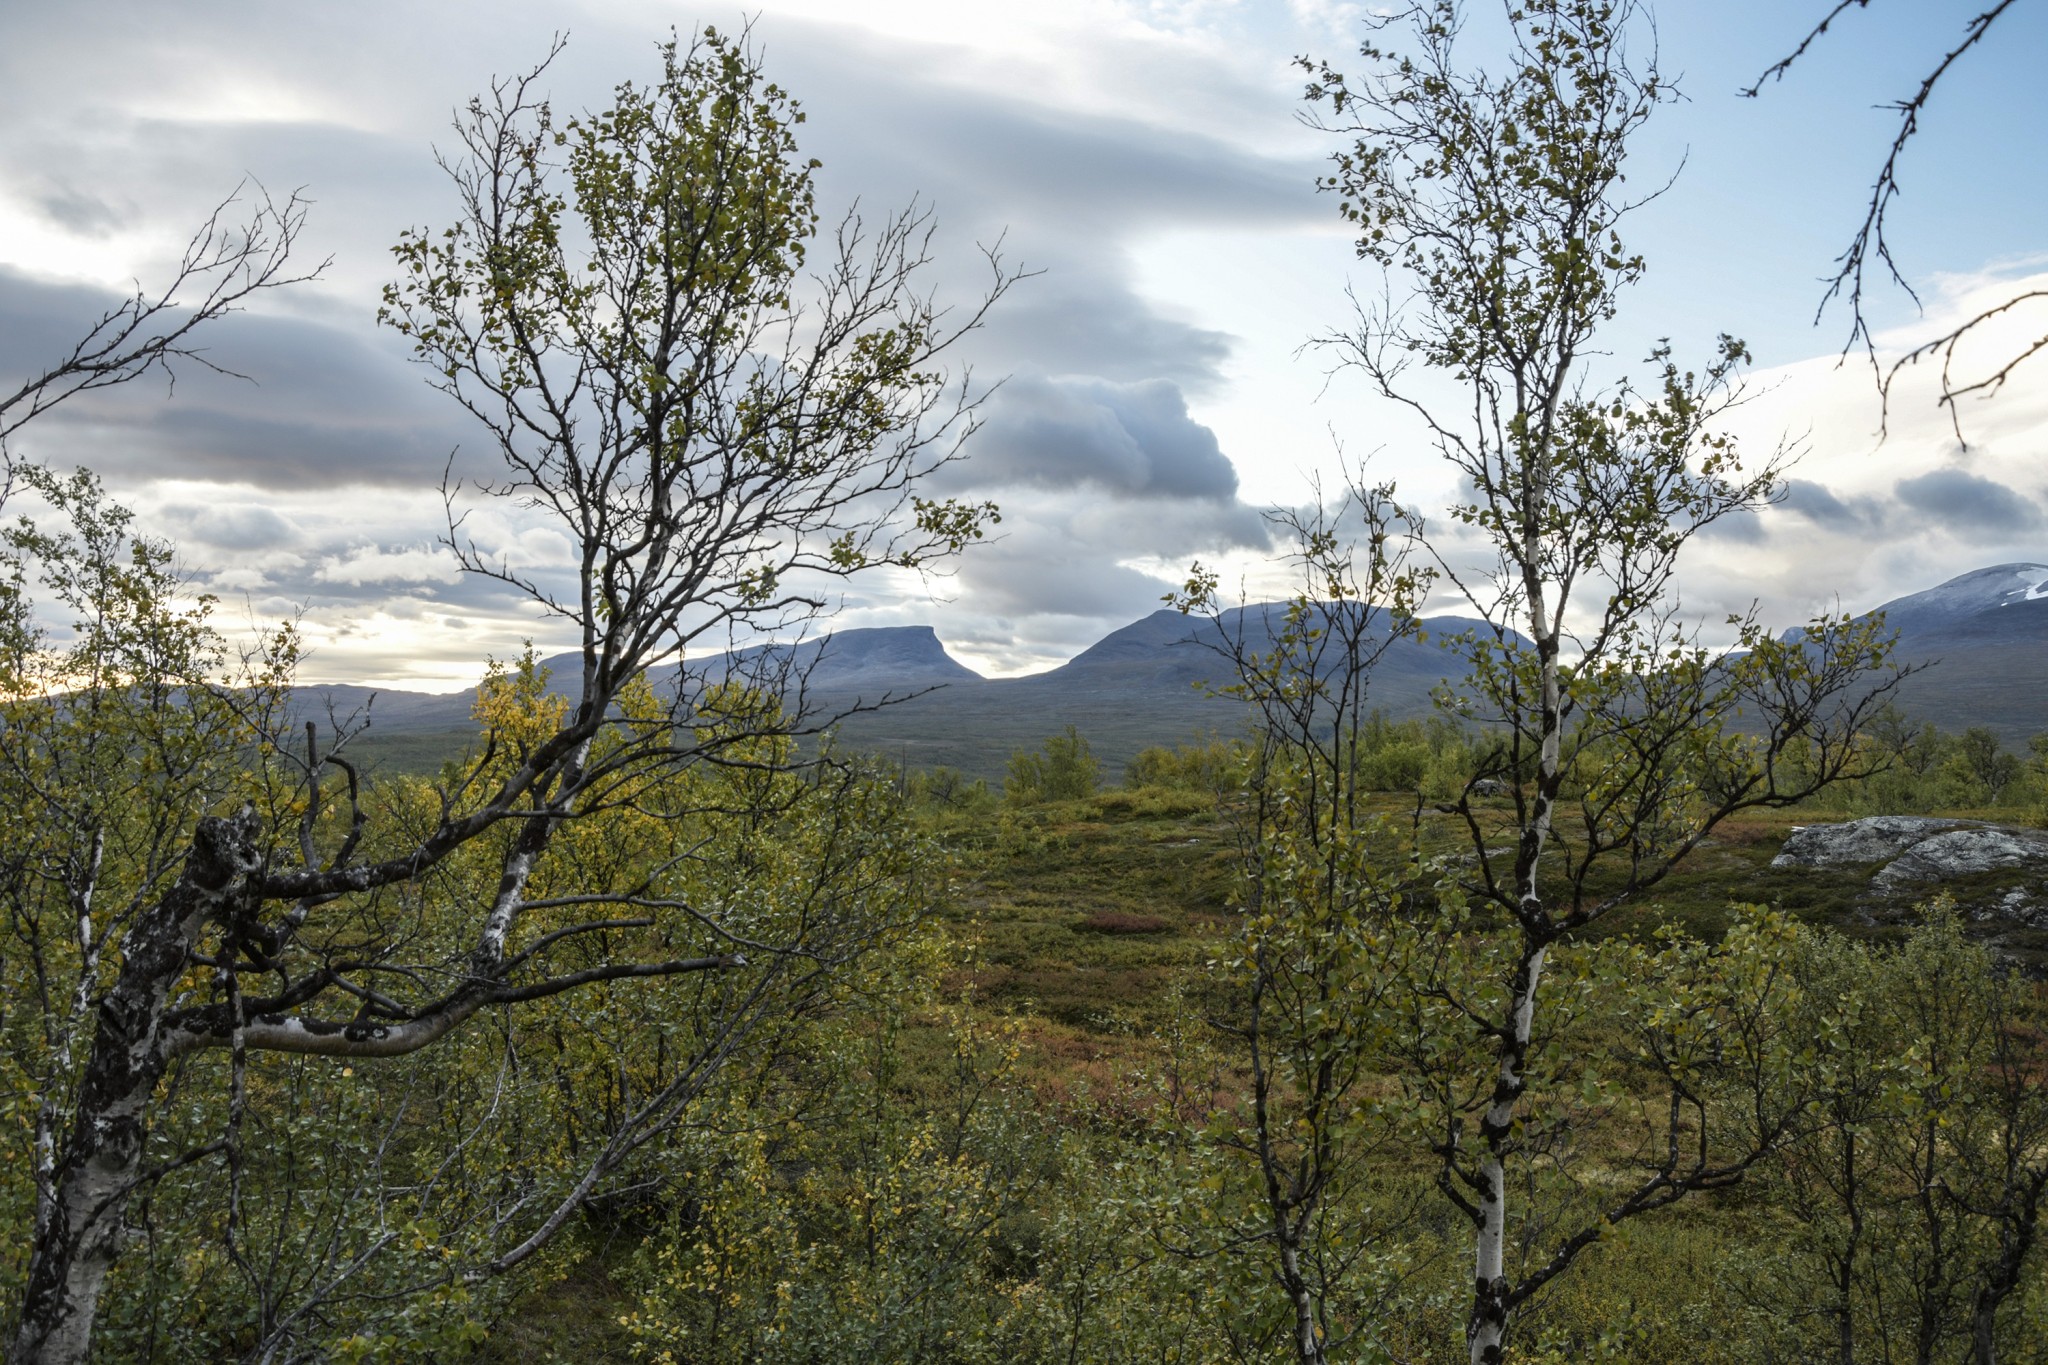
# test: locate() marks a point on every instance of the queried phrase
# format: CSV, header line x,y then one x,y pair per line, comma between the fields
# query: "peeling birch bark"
x,y
103,1158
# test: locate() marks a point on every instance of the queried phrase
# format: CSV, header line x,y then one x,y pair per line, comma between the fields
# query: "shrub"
x,y
948,789
1063,769
1211,765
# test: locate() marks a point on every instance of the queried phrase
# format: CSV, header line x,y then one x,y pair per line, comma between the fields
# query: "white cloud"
x,y
1333,18
1872,517
371,564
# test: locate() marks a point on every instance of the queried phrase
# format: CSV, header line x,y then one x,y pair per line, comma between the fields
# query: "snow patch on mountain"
x,y
2033,584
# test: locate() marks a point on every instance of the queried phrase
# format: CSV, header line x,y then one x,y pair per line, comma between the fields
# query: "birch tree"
x,y
1315,979
621,301
1916,1191
1498,200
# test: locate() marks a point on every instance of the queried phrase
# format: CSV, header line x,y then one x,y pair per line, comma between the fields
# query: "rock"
x,y
1873,839
1997,876
1962,853
2017,907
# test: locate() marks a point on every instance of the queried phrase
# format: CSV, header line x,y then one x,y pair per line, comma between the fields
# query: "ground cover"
x,y
1082,931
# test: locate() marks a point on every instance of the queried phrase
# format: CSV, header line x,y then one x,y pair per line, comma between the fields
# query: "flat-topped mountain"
x,y
876,659
887,656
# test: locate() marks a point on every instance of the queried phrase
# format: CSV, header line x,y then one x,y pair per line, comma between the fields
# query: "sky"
x,y
1143,157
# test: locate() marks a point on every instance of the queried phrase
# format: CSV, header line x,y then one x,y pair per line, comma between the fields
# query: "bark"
x,y
1308,1341
2019,1219
102,1161
1983,1331
1845,1280
1486,1326
1486,1329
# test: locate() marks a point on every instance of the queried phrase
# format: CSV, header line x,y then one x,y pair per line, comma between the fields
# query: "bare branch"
x,y
223,267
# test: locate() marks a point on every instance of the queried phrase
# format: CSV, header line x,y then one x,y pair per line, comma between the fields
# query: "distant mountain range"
x,y
1984,637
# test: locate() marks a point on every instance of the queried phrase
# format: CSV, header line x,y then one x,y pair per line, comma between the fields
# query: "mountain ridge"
x,y
1980,641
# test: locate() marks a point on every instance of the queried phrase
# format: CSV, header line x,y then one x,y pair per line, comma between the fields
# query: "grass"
x,y
1084,913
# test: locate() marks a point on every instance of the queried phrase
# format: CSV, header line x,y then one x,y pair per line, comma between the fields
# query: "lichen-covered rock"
x,y
1962,853
1853,843
2017,906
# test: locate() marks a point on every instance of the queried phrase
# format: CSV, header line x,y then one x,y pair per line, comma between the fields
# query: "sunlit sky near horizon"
x,y
1145,158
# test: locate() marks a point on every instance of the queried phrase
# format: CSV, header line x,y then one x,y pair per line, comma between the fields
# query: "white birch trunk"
x,y
1486,1329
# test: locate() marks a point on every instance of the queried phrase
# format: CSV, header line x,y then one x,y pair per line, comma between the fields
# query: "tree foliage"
x,y
1499,200
1915,1190
1065,768
621,304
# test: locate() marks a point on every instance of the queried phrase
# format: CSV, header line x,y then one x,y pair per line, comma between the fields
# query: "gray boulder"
x,y
1962,853
1874,839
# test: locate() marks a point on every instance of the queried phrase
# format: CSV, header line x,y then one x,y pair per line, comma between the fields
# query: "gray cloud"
x,y
1076,320
82,212
1097,470
1093,475
1066,187
324,404
1740,528
1961,502
1133,439
1064,192
1070,565
1818,504
1079,174
231,526
1052,573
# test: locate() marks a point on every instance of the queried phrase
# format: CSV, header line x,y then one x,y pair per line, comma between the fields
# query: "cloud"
x,y
1079,537
1049,573
1818,504
1078,319
1961,502
1740,528
230,526
1147,165
1108,490
1336,18
83,212
368,564
323,404
1133,439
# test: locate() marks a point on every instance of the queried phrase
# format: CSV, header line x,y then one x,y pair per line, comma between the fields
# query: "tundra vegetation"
x,y
657,1029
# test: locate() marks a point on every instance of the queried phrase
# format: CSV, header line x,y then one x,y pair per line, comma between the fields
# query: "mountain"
x,y
876,660
1144,684
892,658
2002,601
1981,641
1150,682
